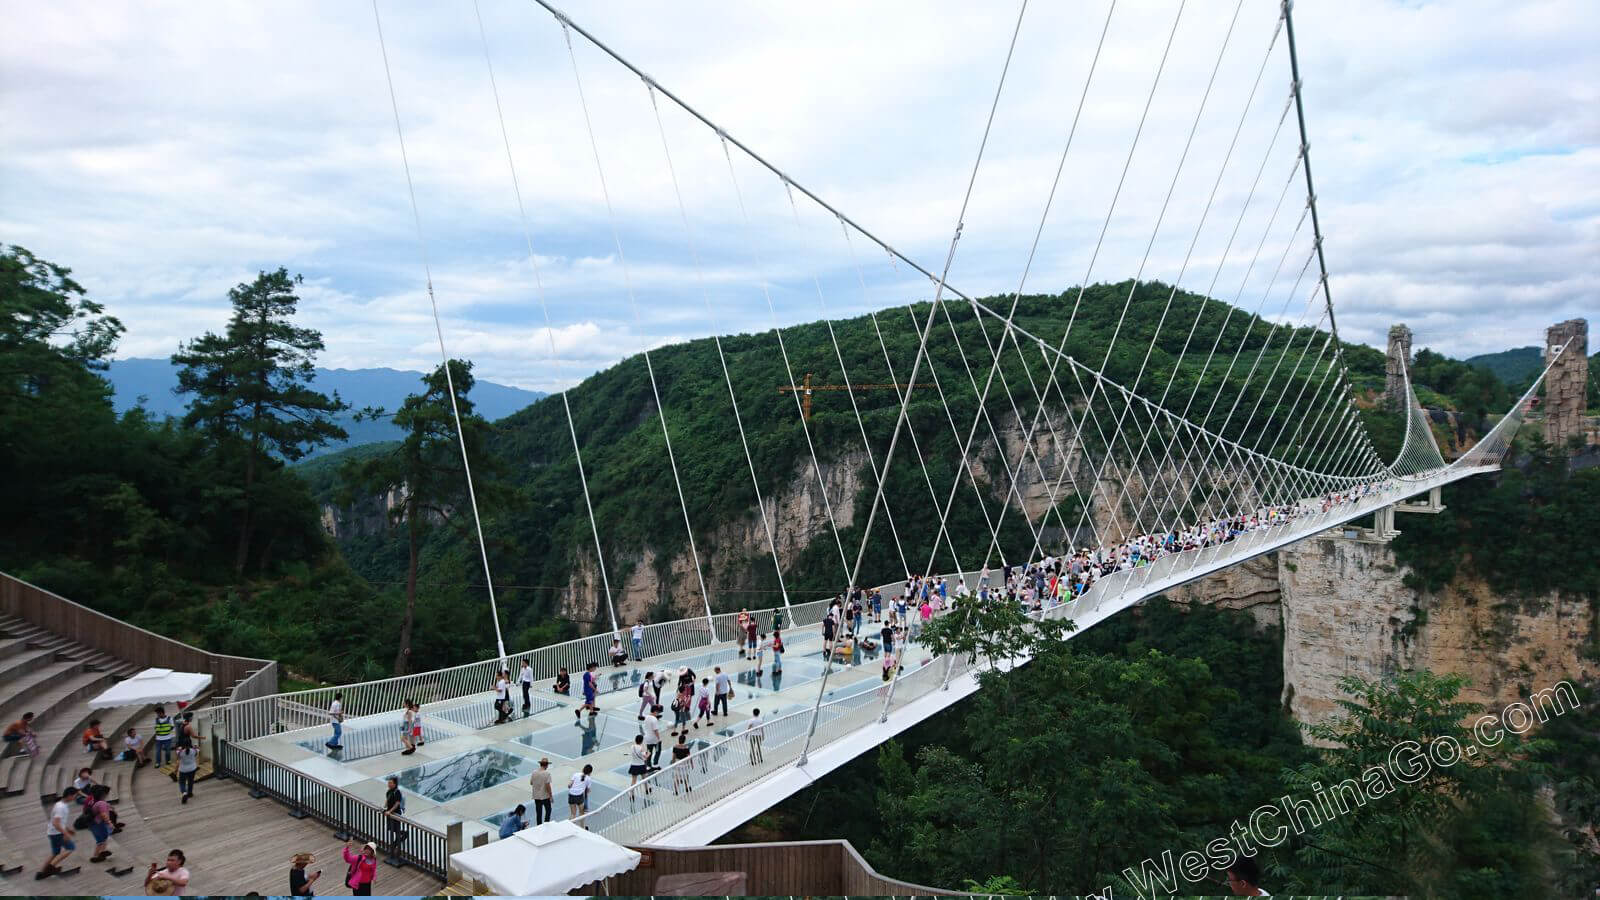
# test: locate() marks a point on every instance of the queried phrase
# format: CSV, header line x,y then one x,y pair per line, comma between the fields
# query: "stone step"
x,y
10,645
19,664
48,688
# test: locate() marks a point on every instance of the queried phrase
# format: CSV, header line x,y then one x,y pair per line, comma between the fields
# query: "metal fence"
x,y
350,815
259,716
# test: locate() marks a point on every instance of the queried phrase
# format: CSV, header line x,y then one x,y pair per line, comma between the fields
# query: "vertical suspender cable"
x,y
549,330
733,400
633,304
450,384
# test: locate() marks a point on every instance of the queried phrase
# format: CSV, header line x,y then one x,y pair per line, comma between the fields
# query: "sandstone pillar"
x,y
1566,387
1398,356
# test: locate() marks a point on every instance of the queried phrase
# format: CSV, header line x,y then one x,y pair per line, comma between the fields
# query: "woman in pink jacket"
x,y
363,867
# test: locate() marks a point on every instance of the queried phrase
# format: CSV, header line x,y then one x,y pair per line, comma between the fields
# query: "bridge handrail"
x,y
421,846
632,816
258,716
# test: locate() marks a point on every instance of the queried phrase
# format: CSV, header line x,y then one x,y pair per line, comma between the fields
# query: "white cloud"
x,y
167,151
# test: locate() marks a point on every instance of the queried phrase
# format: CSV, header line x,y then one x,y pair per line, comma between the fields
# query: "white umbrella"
x,y
548,860
153,686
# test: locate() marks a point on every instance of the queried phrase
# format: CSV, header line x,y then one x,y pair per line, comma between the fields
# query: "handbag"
x,y
84,820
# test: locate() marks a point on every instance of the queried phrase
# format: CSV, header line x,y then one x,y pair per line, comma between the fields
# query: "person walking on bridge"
x,y
335,716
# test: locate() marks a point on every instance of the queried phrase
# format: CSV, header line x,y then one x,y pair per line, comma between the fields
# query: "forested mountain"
x,y
1511,366
1145,734
153,383
153,529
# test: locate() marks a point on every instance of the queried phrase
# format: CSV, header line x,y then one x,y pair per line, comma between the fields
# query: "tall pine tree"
x,y
425,468
251,390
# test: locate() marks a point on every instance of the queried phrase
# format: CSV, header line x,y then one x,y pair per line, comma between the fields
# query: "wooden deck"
x,y
53,660
235,845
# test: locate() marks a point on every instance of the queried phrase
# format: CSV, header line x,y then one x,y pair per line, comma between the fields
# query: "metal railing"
x,y
255,717
350,815
722,769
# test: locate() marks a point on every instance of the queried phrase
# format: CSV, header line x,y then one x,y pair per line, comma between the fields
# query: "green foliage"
x,y
636,505
250,393
1064,771
992,630
1467,388
1517,366
1422,820
1569,749
1514,531
137,517
426,469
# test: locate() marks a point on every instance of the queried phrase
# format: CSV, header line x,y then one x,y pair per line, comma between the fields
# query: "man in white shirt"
x,y
59,831
502,697
638,641
723,693
526,677
652,737
753,729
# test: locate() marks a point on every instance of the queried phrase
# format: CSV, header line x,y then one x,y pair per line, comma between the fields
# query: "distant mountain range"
x,y
1514,367
153,380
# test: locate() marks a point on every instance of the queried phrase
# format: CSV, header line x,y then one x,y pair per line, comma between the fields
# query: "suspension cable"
x,y
444,358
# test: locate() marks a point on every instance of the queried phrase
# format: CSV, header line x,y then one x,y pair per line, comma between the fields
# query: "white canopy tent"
x,y
153,686
551,859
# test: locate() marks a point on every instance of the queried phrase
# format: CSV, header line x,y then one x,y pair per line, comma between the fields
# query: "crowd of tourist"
x,y
87,805
857,618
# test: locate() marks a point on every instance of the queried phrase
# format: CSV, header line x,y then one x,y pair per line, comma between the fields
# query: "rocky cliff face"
x,y
1252,586
1347,611
729,555
1122,500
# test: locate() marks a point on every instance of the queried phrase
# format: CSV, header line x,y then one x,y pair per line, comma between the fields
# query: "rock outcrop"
x,y
1566,387
1395,361
730,556
1347,611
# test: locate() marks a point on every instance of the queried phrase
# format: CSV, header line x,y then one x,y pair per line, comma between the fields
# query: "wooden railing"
x,y
246,677
800,868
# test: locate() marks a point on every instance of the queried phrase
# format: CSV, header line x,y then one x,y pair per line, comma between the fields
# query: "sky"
x,y
168,151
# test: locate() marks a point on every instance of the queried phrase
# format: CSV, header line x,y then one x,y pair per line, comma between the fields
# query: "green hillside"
x,y
537,537
1517,366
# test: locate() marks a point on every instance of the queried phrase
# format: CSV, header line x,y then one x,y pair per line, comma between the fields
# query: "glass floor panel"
x,y
365,741
857,689
582,737
695,746
559,809
482,715
468,773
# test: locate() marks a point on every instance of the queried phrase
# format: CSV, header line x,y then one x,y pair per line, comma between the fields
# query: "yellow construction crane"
x,y
806,387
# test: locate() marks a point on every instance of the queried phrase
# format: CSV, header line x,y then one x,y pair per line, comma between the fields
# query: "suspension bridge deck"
x,y
472,771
